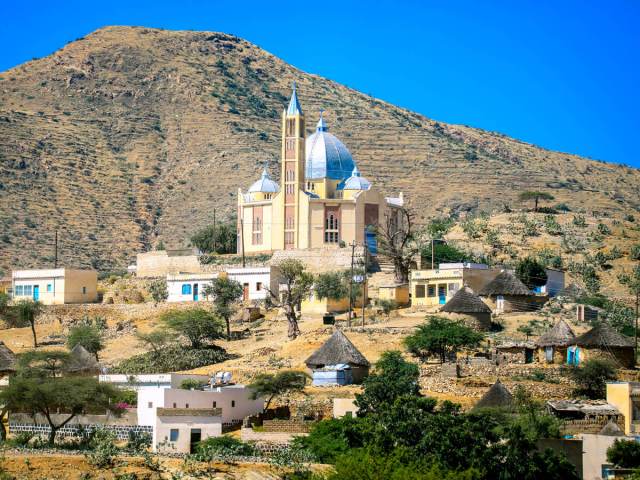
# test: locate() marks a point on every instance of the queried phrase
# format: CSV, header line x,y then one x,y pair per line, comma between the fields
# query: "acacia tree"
x,y
398,241
272,385
295,284
531,272
156,340
158,290
68,395
28,310
197,325
225,293
337,285
441,336
43,363
536,196
89,336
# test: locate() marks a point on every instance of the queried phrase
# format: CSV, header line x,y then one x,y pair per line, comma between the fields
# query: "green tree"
x,y
70,396
27,311
526,330
624,453
393,377
272,385
89,336
221,239
42,363
4,302
158,290
441,336
225,293
634,253
197,325
591,377
295,285
443,253
439,227
156,340
337,285
531,272
331,438
536,196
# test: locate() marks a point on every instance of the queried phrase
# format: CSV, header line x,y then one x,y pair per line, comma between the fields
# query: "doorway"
x,y
195,292
245,292
36,293
442,294
196,437
500,304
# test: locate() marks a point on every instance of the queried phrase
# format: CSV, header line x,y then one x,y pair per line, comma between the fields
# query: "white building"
x,y
150,381
254,280
55,286
188,287
180,429
232,399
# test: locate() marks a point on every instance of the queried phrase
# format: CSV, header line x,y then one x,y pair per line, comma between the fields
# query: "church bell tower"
x,y
292,174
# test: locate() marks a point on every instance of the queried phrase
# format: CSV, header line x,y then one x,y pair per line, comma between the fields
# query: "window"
x,y
49,288
431,291
453,287
84,290
331,227
214,404
150,404
419,291
186,289
258,286
233,403
174,433
19,290
28,290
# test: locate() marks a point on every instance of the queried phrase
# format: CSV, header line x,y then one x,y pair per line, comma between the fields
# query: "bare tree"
x,y
294,285
397,241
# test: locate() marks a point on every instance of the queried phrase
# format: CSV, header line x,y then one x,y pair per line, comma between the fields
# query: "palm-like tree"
x,y
28,310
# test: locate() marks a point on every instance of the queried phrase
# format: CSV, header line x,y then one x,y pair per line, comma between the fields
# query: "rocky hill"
x,y
131,135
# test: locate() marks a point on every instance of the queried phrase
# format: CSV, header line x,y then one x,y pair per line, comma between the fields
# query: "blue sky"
x,y
561,74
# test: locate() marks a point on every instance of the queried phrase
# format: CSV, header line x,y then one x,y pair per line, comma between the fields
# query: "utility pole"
x,y
365,287
242,237
353,251
636,329
215,247
55,255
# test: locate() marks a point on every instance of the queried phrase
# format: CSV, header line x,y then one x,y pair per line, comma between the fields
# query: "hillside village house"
x,y
190,287
338,362
323,200
55,286
554,344
466,306
506,293
432,287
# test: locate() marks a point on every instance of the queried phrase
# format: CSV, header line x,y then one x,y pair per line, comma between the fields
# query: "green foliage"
x,y
473,228
271,385
216,447
441,336
297,284
158,290
631,280
4,302
393,377
634,253
562,207
170,359
603,229
624,453
104,452
551,225
27,311
331,438
191,384
536,196
197,325
331,285
531,273
439,227
156,340
386,305
579,221
220,240
443,253
619,316
225,292
87,336
42,363
591,377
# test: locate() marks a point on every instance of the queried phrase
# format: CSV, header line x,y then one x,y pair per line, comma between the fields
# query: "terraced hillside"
x,y
131,135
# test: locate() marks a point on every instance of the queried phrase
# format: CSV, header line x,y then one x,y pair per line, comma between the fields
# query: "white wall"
x,y
209,427
594,448
150,399
150,381
253,276
174,289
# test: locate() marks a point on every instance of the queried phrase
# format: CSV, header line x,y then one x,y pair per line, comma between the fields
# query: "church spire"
x,y
294,104
322,125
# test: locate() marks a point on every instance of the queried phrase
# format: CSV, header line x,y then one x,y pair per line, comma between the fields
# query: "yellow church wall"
x,y
277,228
316,228
303,224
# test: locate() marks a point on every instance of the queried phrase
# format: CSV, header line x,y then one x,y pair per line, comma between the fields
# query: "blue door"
x,y
372,241
573,356
195,292
36,292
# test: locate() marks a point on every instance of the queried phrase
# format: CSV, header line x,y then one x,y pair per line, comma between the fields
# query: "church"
x,y
323,201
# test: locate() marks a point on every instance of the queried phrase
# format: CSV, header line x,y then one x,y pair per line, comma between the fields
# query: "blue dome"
x,y
265,184
355,182
326,156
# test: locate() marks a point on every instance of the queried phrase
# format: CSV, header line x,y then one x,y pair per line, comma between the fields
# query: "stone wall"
x,y
288,426
121,431
320,260
281,438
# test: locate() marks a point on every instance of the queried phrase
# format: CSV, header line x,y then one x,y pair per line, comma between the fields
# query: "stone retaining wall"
x,y
288,426
121,431
279,438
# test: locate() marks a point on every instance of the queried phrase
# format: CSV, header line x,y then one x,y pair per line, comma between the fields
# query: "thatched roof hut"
x,y
81,362
465,301
496,397
7,359
603,335
561,335
611,429
505,284
336,350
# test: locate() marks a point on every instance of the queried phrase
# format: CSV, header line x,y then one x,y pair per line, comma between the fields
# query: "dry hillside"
x,y
131,135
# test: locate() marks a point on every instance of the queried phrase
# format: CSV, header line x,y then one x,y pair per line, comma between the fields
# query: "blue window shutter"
x,y
186,289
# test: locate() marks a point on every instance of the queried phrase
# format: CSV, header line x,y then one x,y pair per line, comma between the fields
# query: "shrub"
x,y
551,225
104,452
197,325
138,441
21,439
591,377
387,305
171,359
624,453
87,336
634,253
579,221
630,218
191,384
216,447
562,207
603,229
158,290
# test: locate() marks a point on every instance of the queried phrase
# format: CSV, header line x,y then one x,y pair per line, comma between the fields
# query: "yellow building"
x,y
55,286
322,200
436,286
625,396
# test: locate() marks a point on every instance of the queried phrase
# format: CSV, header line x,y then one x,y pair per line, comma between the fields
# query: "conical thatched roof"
x,y
7,359
496,396
602,335
465,301
572,291
338,349
505,284
560,335
611,429
82,361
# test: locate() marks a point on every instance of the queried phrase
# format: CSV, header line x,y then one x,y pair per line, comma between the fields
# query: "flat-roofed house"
x,y
188,287
55,286
180,429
